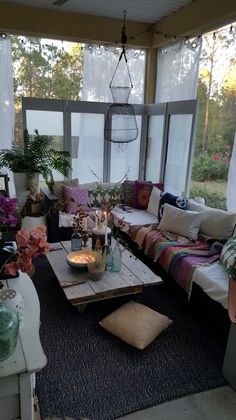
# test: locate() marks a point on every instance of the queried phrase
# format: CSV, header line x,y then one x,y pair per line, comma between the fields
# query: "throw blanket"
x,y
176,255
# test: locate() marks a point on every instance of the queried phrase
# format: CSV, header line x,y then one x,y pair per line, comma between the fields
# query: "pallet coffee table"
x,y
80,290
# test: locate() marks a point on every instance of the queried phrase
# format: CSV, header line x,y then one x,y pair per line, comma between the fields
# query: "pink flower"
x,y
216,156
29,245
11,269
22,238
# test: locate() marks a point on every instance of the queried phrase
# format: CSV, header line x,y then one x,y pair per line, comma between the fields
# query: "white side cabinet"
x,y
17,373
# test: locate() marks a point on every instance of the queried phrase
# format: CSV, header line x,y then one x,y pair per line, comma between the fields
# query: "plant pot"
x,y
95,273
23,186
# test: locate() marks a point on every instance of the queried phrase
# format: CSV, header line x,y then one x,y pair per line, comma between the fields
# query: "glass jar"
x,y
76,241
108,258
9,326
116,257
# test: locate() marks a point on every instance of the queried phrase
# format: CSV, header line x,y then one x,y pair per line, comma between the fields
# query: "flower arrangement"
x,y
29,245
8,219
80,220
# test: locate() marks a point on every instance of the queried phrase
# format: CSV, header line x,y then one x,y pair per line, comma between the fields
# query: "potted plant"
x,y
32,157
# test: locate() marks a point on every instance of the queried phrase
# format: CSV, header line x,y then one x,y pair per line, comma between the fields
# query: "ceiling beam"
x,y
55,24
196,18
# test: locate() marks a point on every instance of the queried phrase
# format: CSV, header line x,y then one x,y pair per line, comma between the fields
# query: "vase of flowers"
x,y
8,219
28,245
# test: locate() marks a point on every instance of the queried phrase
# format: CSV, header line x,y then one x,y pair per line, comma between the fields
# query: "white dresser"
x,y
17,373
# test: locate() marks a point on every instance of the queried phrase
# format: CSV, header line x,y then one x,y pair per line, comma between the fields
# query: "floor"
x,y
216,404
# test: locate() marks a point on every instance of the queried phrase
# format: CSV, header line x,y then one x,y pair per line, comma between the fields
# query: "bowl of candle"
x,y
80,259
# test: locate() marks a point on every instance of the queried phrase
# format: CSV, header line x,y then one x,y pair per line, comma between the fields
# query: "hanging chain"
x,y
123,53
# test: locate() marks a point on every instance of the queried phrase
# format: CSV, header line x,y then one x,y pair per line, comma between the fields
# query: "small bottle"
x,y
116,257
76,241
108,258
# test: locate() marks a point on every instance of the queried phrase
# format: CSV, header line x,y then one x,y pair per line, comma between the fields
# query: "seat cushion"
x,y
136,324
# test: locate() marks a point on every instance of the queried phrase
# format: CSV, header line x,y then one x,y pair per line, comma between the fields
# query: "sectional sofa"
x,y
181,236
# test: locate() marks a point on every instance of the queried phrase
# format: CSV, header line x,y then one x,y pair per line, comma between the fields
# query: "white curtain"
x,y
6,95
7,116
177,72
99,67
231,185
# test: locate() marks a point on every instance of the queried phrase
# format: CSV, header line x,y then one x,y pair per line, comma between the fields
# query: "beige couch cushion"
x,y
58,187
216,223
136,324
182,222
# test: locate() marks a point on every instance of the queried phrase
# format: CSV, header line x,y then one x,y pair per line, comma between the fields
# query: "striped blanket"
x,y
176,255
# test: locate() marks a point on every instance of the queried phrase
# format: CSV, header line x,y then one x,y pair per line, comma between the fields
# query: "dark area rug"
x,y
90,373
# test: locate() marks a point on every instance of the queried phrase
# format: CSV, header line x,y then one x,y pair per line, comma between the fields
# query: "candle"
x,y
105,220
85,224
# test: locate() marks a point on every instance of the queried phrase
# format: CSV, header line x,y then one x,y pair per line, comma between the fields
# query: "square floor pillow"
x,y
136,324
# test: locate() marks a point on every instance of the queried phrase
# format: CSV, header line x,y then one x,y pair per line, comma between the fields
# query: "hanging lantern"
x,y
121,124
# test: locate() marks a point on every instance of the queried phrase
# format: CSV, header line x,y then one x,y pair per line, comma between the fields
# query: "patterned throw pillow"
x,y
173,200
74,197
142,193
127,192
108,196
228,257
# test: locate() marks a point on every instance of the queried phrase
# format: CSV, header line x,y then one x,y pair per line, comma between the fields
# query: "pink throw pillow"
x,y
75,196
142,193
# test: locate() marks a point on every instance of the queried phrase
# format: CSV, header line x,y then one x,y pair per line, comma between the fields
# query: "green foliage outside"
x,y
210,168
216,119
212,198
44,71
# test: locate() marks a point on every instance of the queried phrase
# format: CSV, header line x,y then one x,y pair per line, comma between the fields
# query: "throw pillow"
x,y
228,257
57,187
136,324
74,197
153,204
181,222
142,193
173,200
103,197
127,192
217,223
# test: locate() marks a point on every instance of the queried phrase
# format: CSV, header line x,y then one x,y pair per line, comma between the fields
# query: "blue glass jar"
x,y
76,241
9,327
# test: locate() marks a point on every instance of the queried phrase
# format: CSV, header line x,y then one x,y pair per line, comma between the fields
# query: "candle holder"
x,y
85,237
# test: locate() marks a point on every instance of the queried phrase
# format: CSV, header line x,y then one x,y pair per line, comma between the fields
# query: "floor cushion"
x,y
136,324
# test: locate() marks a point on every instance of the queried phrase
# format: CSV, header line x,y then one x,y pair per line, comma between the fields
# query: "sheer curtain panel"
x,y
6,95
177,72
99,67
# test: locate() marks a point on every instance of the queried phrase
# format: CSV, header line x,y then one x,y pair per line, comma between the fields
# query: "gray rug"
x,y
91,373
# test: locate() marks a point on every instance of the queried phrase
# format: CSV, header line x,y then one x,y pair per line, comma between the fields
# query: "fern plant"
x,y
36,155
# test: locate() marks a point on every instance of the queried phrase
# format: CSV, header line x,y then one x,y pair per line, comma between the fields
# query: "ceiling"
x,y
148,11
149,23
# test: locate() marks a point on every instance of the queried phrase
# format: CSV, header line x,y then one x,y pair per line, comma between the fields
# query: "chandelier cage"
x,y
121,124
